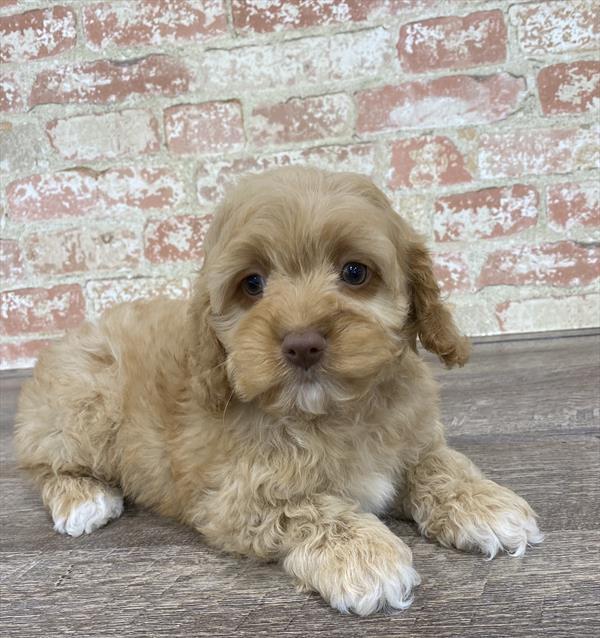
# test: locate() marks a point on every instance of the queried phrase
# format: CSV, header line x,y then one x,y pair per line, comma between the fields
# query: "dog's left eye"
x,y
253,285
354,273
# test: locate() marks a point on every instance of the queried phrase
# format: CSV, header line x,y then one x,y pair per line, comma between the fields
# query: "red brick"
x,y
105,136
557,27
7,3
176,239
298,120
211,127
37,34
573,205
426,161
140,188
22,354
29,310
548,313
491,212
12,267
105,293
155,22
456,100
107,81
537,152
451,271
563,263
11,99
453,42
76,250
214,177
81,192
315,61
256,16
64,194
569,88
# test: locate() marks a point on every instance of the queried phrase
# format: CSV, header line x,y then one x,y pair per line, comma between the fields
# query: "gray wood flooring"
x,y
526,410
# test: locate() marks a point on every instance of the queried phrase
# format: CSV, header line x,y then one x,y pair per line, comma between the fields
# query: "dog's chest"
x,y
373,490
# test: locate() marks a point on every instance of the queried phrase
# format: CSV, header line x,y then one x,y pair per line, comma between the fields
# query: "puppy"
x,y
283,407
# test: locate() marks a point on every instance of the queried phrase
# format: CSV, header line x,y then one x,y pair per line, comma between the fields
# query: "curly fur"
x,y
189,408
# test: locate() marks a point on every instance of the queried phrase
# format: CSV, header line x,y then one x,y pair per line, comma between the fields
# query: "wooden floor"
x,y
526,411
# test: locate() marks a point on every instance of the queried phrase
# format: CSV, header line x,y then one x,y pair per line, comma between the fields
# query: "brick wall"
x,y
123,121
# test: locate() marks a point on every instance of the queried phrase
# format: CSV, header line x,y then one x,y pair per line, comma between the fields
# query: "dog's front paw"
x,y
87,516
486,517
359,573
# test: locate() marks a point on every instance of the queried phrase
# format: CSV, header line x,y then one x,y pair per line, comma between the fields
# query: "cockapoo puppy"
x,y
283,407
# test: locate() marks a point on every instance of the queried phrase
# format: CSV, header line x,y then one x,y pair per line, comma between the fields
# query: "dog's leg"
x,y
65,428
455,504
80,504
351,558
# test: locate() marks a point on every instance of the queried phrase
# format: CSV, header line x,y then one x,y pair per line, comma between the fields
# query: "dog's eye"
x,y
253,285
354,273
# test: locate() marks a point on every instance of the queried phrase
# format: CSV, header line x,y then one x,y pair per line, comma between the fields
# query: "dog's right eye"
x,y
253,285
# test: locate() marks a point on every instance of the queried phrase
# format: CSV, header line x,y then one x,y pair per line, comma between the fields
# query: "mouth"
x,y
311,397
314,392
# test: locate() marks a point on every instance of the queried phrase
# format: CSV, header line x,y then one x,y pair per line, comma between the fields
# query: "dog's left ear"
x,y
206,354
430,319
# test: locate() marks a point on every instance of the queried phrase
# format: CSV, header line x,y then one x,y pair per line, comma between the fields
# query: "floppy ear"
x,y
206,354
430,319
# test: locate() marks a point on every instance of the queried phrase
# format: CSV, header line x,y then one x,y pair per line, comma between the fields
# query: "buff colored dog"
x,y
283,407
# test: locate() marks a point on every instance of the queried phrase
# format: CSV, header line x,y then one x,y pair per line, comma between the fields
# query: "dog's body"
x,y
196,409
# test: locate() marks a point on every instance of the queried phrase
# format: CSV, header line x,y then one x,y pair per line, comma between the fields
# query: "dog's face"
x,y
310,290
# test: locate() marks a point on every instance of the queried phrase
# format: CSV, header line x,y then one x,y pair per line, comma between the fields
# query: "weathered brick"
x,y
426,161
457,100
204,128
11,98
12,266
140,188
491,212
572,87
175,239
573,205
548,313
215,176
156,22
562,263
23,354
37,34
307,61
298,120
108,81
557,27
76,250
451,271
105,136
453,42
105,293
257,16
23,147
63,194
30,310
79,192
417,209
537,152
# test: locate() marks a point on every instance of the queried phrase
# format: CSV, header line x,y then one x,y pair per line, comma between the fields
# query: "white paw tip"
x,y
392,592
90,515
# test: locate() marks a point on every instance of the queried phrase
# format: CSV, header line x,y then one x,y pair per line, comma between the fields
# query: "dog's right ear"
x,y
206,354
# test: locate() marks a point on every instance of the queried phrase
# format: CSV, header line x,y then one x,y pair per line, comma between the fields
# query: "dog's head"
x,y
311,290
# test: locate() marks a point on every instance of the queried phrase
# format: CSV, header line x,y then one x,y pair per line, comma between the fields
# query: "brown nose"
x,y
303,349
